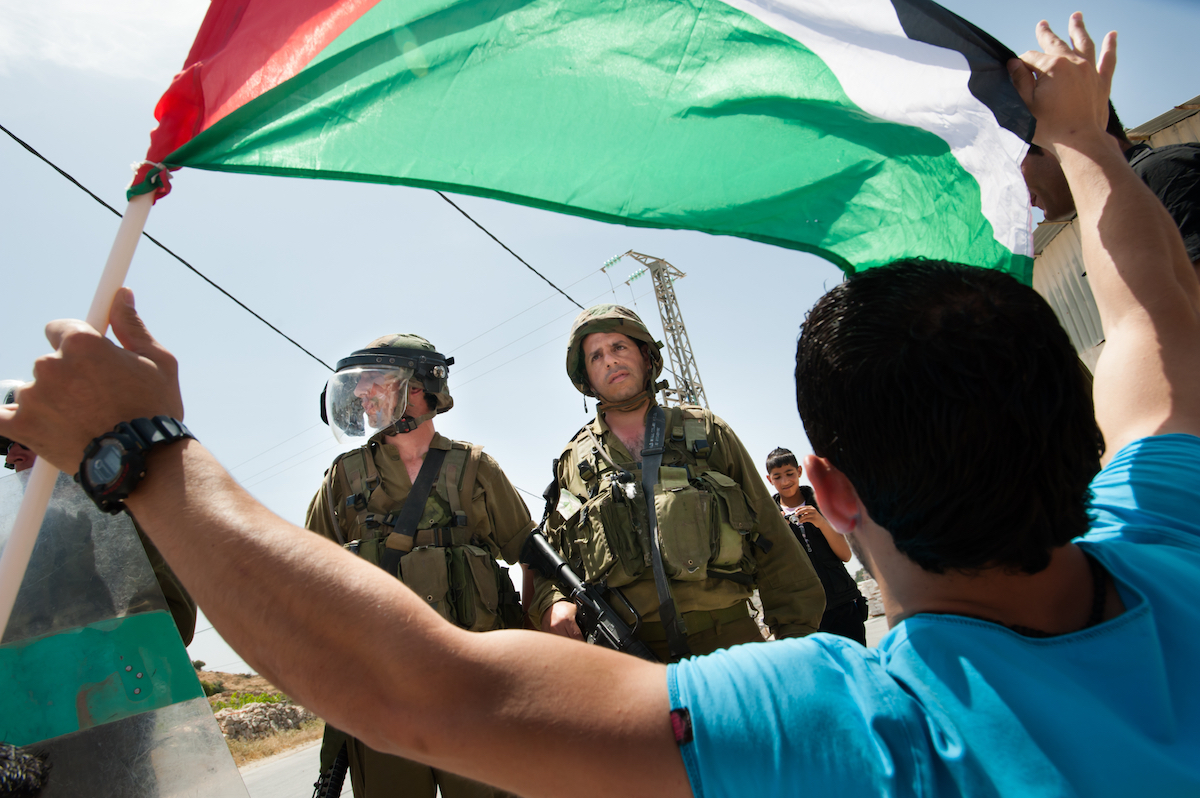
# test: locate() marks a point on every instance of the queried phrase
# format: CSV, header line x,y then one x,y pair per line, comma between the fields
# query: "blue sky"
x,y
336,265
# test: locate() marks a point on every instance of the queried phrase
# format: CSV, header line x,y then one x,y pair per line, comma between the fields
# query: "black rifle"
x,y
597,620
329,783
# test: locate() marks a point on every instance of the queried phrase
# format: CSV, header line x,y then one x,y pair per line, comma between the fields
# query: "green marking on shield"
x,y
91,675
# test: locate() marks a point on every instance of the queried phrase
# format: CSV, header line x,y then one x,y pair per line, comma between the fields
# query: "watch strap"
x,y
138,436
150,432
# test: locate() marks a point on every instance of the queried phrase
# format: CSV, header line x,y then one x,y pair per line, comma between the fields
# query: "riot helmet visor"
x,y
362,401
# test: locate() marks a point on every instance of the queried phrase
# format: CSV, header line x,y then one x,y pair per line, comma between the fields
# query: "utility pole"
x,y
681,362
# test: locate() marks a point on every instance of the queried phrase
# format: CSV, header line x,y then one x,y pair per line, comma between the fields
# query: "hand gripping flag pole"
x,y
15,558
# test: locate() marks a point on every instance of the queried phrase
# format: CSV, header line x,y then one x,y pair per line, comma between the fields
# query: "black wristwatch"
x,y
114,463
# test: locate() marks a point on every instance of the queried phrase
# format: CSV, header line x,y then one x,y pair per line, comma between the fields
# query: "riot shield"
x,y
97,676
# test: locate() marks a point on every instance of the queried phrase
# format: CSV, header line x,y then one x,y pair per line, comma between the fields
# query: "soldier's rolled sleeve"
x,y
317,519
545,593
792,597
506,510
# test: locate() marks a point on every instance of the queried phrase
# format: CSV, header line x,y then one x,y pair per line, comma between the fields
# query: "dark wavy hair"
x,y
780,457
953,401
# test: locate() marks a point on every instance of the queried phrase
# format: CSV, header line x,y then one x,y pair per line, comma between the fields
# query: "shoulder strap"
x,y
450,481
467,486
359,478
656,428
414,503
414,506
607,458
695,436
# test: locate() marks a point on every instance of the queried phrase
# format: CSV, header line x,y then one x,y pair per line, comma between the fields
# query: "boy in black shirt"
x,y
845,607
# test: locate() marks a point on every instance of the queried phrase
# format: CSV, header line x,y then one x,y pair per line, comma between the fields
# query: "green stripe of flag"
x,y
689,115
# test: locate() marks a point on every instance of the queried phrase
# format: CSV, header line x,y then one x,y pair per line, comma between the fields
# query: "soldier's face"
x,y
616,366
379,394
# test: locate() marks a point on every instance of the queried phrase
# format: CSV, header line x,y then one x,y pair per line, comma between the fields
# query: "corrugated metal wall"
x,y
1182,131
1059,276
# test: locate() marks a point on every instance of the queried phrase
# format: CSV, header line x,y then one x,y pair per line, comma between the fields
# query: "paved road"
x,y
876,628
289,775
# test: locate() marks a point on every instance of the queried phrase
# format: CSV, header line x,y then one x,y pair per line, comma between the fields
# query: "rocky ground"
x,y
235,683
258,730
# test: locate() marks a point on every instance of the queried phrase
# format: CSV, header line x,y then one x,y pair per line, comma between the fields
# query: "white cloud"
x,y
146,39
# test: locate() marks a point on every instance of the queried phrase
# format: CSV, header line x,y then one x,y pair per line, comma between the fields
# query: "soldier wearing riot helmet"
x,y
433,512
718,532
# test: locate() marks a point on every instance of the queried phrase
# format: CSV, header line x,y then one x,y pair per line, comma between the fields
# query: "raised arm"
x,y
1147,381
525,711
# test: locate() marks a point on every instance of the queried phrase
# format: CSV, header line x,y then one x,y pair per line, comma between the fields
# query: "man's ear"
x,y
836,496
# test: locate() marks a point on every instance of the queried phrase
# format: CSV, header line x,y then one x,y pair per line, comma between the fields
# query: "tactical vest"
x,y
449,566
706,522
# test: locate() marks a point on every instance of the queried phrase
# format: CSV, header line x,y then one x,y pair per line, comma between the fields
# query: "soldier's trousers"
x,y
377,775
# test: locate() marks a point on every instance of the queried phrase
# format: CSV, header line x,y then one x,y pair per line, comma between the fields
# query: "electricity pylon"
x,y
680,359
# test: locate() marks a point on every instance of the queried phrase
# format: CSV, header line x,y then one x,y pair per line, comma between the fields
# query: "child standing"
x,y
845,607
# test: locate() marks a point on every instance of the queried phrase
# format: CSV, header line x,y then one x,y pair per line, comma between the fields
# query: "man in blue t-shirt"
x,y
1033,650
1039,644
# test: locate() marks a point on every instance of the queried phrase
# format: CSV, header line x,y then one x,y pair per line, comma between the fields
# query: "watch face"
x,y
104,468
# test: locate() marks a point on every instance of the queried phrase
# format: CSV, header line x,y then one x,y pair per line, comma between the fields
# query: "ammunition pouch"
x,y
426,571
607,533
451,570
706,521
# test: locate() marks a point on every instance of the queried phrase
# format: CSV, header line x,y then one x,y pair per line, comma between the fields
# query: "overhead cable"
x,y
557,337
515,315
510,252
165,249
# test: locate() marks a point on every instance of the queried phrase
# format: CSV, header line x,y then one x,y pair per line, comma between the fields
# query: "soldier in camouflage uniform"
x,y
444,548
720,533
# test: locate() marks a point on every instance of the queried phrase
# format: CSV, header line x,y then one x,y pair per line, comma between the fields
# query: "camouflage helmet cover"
x,y
603,319
433,384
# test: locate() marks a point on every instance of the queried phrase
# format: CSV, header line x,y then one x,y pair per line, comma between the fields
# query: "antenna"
x,y
682,363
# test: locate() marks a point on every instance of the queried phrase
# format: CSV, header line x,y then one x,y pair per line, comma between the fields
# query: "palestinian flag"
x,y
862,130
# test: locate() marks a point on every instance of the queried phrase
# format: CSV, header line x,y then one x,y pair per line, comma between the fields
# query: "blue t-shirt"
x,y
948,705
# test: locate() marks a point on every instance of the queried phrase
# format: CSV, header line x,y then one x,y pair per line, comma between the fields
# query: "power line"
x,y
165,249
510,343
557,337
510,252
515,315
324,450
241,304
273,448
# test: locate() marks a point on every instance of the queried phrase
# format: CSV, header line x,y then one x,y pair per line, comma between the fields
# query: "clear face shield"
x,y
361,401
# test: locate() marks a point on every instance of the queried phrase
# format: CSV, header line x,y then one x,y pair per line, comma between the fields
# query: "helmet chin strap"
x,y
406,424
632,403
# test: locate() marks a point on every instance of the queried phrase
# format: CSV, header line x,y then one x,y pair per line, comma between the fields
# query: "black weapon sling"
x,y
656,433
329,783
414,506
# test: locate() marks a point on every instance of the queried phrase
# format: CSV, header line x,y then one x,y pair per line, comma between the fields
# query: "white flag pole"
x,y
15,558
